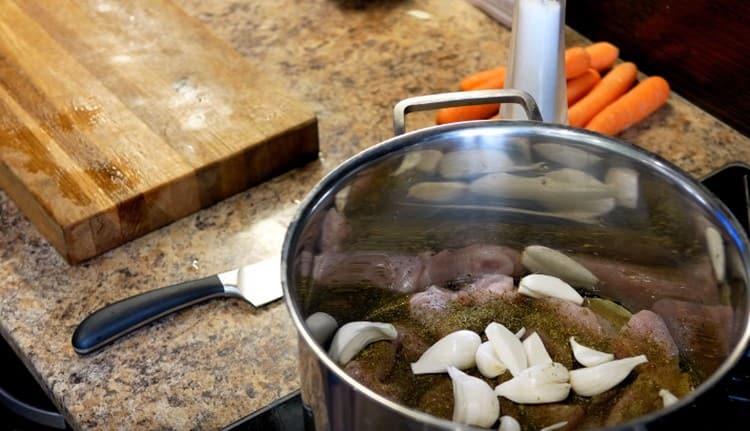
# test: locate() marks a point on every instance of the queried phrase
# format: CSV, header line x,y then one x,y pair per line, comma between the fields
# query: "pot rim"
x,y
360,160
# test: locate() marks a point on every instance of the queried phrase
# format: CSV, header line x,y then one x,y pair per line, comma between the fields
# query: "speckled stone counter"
x,y
213,364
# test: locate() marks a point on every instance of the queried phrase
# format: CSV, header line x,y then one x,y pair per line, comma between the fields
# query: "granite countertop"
x,y
215,363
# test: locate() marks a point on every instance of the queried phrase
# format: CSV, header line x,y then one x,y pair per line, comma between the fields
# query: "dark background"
x,y
699,46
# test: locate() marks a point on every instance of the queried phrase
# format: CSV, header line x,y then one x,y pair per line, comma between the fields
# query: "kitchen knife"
x,y
259,284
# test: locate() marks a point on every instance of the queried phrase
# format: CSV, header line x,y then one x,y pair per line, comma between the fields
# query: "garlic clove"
x,y
520,333
409,162
488,363
351,338
457,349
556,426
428,161
715,246
475,403
519,391
547,285
667,397
469,163
509,423
585,209
587,356
524,290
507,346
601,378
565,154
437,191
542,374
321,326
536,353
545,383
624,181
342,196
544,260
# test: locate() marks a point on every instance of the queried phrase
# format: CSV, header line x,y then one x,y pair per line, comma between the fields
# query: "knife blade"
x,y
258,284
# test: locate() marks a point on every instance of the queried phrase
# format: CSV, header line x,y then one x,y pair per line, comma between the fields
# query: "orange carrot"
x,y
471,82
466,113
578,87
613,85
632,107
603,55
472,112
576,62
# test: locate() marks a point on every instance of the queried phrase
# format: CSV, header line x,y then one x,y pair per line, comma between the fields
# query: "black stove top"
x,y
726,407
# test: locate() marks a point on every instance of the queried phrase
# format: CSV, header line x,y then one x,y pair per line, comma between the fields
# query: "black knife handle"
x,y
117,319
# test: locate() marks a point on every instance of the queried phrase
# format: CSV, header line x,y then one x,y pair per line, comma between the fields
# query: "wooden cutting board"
x,y
120,116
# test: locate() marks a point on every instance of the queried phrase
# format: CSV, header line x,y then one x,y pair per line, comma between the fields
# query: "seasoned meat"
x,y
438,399
433,306
576,320
334,231
337,269
638,287
410,343
470,263
638,398
373,368
700,331
647,334
414,273
536,417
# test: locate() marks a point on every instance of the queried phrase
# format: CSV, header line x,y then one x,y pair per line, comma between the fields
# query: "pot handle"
x,y
462,98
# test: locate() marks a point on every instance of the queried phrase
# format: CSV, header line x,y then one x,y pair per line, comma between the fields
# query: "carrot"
x,y
466,113
613,85
603,55
578,87
576,62
632,107
472,112
471,82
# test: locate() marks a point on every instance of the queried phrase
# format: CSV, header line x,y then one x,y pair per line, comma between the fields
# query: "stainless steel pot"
x,y
665,225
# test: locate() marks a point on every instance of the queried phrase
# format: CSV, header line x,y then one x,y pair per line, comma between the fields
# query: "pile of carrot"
x,y
607,104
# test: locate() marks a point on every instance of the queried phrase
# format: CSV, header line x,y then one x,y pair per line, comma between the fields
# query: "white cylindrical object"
x,y
537,59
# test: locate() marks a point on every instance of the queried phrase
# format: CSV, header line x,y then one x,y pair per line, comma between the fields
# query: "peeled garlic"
x,y
549,189
535,351
437,191
595,380
468,163
351,338
321,326
488,363
624,181
509,423
715,246
457,349
587,356
475,403
544,260
520,333
341,198
425,161
540,285
556,426
546,383
507,346
566,155
667,397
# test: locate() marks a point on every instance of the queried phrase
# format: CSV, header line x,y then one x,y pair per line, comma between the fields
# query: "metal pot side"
x,y
339,402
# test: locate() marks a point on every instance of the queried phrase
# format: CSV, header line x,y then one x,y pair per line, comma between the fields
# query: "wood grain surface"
x,y
117,118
